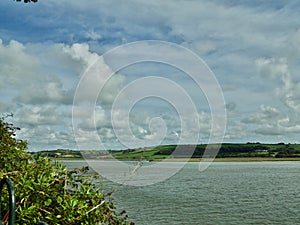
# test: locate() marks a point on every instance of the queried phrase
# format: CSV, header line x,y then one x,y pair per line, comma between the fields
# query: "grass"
x,y
229,152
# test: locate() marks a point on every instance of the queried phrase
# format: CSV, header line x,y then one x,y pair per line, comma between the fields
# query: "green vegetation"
x,y
59,153
227,152
48,192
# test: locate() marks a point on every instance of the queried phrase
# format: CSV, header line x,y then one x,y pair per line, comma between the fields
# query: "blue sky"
x,y
252,47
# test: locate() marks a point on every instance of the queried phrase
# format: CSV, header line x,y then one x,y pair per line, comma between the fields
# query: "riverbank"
x,y
255,159
230,159
227,159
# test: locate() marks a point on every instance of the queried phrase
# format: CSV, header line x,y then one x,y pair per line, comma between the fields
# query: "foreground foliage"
x,y
49,192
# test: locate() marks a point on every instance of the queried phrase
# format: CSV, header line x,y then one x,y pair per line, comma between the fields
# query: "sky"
x,y
252,48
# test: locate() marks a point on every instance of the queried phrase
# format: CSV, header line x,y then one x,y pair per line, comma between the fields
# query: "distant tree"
x,y
27,1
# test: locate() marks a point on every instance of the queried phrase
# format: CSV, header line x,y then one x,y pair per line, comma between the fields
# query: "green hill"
x,y
227,150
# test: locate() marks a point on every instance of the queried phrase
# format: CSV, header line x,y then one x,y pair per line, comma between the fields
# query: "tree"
x,y
27,1
47,191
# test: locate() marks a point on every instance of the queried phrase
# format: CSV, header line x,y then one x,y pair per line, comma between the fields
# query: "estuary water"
x,y
225,193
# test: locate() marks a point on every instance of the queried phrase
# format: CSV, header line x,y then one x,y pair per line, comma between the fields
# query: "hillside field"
x,y
279,151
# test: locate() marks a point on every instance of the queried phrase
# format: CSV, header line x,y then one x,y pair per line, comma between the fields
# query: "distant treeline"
x,y
279,150
59,153
238,150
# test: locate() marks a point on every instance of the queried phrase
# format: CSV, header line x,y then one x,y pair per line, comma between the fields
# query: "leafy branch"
x,y
49,192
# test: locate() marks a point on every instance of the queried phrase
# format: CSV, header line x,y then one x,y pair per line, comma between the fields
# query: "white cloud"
x,y
16,64
293,43
39,72
272,68
89,122
45,92
236,132
291,95
47,75
93,35
97,77
81,53
112,88
41,87
47,138
271,121
278,129
266,115
289,90
34,116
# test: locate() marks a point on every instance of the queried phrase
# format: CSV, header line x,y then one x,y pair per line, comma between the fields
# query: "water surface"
x,y
225,193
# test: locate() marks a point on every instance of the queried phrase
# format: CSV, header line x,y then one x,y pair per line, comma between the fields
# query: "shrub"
x,y
47,191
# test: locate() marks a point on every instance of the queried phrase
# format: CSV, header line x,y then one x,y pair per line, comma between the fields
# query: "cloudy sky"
x,y
252,47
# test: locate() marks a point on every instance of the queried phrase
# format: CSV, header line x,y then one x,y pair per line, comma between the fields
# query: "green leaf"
x,y
59,200
48,202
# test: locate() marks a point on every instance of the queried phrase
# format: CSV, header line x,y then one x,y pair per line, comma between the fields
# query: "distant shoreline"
x,y
231,159
227,152
226,159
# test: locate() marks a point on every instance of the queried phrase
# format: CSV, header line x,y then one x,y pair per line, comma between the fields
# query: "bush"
x,y
47,191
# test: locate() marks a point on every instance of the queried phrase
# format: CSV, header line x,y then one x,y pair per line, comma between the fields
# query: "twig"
x,y
97,206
